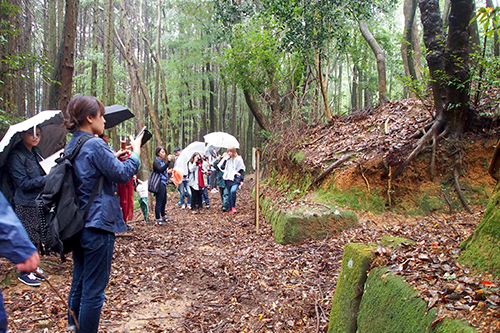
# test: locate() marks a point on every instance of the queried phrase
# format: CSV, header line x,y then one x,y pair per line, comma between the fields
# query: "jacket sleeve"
x,y
158,168
18,172
15,244
110,166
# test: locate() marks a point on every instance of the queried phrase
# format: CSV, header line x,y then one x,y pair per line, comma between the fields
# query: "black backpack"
x,y
61,220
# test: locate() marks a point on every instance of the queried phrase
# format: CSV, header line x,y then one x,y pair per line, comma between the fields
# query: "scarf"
x,y
201,183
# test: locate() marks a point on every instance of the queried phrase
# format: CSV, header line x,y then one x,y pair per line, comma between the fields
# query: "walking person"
x,y
92,257
29,180
183,187
234,172
196,181
142,190
224,193
16,246
160,166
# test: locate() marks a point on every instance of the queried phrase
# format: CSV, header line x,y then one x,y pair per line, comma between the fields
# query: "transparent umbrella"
x,y
221,140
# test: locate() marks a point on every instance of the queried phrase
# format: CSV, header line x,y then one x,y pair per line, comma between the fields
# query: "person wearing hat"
x,y
183,187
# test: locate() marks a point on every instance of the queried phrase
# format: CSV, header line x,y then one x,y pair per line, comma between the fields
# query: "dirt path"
x,y
210,272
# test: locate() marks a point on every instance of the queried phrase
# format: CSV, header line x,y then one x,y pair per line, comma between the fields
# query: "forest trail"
x,y
211,272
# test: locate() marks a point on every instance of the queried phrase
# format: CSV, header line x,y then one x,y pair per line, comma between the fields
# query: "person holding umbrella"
x,y
92,257
29,177
234,173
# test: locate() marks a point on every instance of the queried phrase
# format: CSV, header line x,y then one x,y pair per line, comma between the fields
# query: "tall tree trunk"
x,y
458,111
129,55
95,48
20,82
380,56
211,110
107,84
322,86
50,46
409,9
256,110
60,92
434,42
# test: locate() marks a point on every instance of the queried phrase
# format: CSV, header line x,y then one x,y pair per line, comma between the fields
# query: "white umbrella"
x,y
182,160
221,140
53,133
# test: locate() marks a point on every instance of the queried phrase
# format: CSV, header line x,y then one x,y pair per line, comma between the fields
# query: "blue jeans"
x,y
184,191
161,201
92,266
232,187
204,196
3,316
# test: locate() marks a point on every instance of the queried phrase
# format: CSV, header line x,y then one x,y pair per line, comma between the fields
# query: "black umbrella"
x,y
115,114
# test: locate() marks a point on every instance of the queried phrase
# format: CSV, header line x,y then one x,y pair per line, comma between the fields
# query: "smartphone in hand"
x,y
146,137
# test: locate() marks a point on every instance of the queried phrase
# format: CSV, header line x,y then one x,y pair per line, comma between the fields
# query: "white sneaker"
x,y
214,191
183,206
189,206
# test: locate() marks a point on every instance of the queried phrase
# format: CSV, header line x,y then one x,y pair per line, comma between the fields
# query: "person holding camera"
x,y
196,181
234,172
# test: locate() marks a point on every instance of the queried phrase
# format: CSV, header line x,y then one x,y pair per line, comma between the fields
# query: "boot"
x,y
159,222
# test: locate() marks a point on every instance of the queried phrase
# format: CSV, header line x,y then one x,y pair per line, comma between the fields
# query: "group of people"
x,y
225,171
20,234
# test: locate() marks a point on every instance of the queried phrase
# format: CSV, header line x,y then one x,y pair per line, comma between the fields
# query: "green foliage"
x,y
488,17
253,59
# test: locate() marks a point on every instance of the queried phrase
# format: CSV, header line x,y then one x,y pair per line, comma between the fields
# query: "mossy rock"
x,y
298,224
453,326
345,305
481,250
391,305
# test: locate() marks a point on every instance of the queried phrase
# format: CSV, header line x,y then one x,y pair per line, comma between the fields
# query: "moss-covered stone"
x,y
481,250
391,305
453,326
345,305
302,223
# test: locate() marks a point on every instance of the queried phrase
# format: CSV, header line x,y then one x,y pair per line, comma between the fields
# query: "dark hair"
x,y
158,150
176,149
192,157
79,107
32,130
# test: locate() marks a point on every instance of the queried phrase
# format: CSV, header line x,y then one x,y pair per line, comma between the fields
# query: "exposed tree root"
x,y
434,135
438,123
331,168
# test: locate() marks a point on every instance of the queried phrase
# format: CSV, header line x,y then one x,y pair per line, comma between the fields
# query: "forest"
x,y
186,68
396,92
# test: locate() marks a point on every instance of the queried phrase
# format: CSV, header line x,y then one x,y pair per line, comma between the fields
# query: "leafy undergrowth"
x,y
211,272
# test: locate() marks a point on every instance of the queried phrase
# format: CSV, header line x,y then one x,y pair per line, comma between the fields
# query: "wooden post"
x,y
257,187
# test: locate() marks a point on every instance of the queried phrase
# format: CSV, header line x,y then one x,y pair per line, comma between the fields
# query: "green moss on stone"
x,y
481,250
453,326
345,305
391,305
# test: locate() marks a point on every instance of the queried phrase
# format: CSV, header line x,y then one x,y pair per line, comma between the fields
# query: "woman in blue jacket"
x,y
84,116
29,180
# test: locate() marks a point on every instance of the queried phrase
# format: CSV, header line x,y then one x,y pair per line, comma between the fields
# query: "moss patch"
x,y
453,326
345,305
481,249
391,305
394,241
305,222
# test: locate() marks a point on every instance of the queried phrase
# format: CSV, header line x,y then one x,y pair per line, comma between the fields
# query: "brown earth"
x,y
212,272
